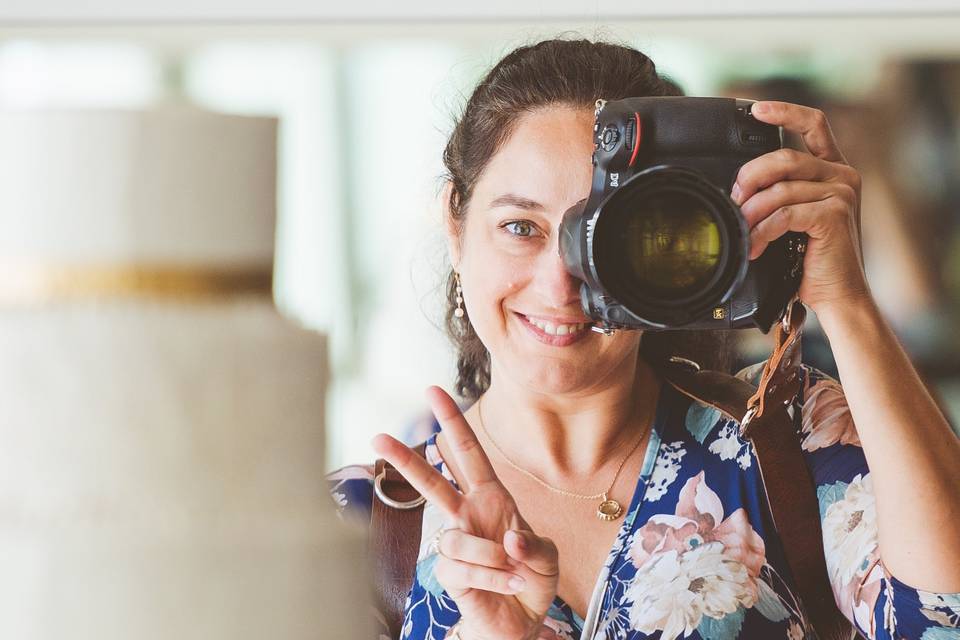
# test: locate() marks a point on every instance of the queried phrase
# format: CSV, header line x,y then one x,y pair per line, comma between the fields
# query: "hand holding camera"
x,y
662,242
816,193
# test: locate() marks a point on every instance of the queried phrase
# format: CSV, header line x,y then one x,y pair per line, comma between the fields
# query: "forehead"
x,y
547,158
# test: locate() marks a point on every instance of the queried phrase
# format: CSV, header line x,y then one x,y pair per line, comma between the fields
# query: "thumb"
x,y
540,554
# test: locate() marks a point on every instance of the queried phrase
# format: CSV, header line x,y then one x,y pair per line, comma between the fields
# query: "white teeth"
x,y
556,330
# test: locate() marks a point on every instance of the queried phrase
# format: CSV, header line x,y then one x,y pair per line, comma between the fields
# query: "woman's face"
x,y
523,304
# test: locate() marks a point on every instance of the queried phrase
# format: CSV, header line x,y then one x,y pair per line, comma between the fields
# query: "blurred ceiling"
x,y
114,11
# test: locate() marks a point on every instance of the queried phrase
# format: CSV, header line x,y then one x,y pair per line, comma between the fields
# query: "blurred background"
x,y
362,109
247,195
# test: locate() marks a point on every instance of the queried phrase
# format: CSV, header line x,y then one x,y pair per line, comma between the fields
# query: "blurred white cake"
x,y
161,459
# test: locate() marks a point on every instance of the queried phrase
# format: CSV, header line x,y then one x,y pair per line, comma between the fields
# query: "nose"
x,y
555,286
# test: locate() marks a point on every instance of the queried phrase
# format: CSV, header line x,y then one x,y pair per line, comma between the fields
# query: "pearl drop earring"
x,y
458,312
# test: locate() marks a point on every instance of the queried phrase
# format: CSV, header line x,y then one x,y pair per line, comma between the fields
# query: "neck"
x,y
570,435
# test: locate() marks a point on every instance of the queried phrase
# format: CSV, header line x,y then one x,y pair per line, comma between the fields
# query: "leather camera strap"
x,y
790,490
394,542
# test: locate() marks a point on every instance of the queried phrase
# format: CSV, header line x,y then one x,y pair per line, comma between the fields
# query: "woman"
x,y
565,417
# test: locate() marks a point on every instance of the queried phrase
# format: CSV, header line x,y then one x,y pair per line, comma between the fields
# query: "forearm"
x,y
914,457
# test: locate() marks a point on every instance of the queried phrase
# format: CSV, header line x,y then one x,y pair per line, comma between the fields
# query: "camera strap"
x,y
764,420
394,540
790,490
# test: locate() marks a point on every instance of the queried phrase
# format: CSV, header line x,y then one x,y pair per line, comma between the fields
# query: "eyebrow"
x,y
513,200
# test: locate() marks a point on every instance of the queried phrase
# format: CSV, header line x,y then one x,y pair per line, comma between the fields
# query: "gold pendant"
x,y
609,510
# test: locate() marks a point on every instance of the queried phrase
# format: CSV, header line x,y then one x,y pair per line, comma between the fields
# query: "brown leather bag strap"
x,y
396,519
790,490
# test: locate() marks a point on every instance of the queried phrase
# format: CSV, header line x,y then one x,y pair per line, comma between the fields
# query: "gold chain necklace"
x,y
608,509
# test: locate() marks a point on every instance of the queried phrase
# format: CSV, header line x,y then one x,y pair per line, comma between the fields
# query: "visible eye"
x,y
519,228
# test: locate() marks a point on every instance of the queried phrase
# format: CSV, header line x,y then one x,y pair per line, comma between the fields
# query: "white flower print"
x,y
728,446
850,530
665,470
675,590
695,567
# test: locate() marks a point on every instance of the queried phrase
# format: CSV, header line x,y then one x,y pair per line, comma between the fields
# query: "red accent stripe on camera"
x,y
636,140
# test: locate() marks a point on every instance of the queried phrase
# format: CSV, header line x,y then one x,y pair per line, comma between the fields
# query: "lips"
x,y
553,331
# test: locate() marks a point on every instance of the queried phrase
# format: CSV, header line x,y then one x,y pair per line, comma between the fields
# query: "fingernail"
x,y
758,107
735,193
516,583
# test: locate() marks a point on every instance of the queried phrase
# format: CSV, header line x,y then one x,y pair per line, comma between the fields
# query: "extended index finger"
x,y
419,473
472,460
811,124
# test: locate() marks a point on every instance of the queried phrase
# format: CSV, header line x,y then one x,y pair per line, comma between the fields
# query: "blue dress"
x,y
697,555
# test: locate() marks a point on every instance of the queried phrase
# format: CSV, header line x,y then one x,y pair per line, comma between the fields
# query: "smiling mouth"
x,y
554,333
556,329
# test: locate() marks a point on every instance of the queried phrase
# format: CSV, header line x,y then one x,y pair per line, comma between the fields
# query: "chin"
x,y
554,377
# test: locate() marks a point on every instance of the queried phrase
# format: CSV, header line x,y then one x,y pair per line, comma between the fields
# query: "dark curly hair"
x,y
569,72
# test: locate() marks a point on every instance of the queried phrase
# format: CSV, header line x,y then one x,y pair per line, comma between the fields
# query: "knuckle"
x,y
745,174
451,543
847,194
786,154
474,577
819,118
498,581
467,443
853,178
442,572
779,189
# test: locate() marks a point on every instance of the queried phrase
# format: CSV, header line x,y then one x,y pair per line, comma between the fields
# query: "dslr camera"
x,y
659,243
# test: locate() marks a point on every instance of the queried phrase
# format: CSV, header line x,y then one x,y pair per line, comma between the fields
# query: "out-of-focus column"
x,y
161,439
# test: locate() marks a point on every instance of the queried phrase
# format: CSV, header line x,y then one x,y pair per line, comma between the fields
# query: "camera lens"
x,y
669,245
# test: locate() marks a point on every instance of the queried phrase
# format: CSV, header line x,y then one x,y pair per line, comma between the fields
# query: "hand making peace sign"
x,y
501,574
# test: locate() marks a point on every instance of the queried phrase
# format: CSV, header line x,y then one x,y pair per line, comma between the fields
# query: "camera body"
x,y
659,243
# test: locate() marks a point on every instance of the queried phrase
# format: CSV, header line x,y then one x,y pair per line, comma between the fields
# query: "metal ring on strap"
x,y
390,502
690,364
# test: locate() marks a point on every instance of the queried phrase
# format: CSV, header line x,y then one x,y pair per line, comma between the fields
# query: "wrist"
x,y
851,312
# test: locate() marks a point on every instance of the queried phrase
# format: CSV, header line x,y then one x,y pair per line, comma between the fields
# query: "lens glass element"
x,y
670,245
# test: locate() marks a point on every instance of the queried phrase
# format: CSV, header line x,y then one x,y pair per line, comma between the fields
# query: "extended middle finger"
x,y
783,164
472,460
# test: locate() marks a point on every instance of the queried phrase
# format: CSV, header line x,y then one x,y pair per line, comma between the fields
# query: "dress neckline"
x,y
647,467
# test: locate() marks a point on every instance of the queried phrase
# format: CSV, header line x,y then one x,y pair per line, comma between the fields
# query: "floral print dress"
x,y
696,555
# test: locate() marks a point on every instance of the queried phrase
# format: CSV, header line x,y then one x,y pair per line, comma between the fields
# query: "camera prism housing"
x,y
659,243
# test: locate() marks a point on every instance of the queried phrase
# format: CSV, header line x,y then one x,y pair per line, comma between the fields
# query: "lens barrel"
x,y
669,245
